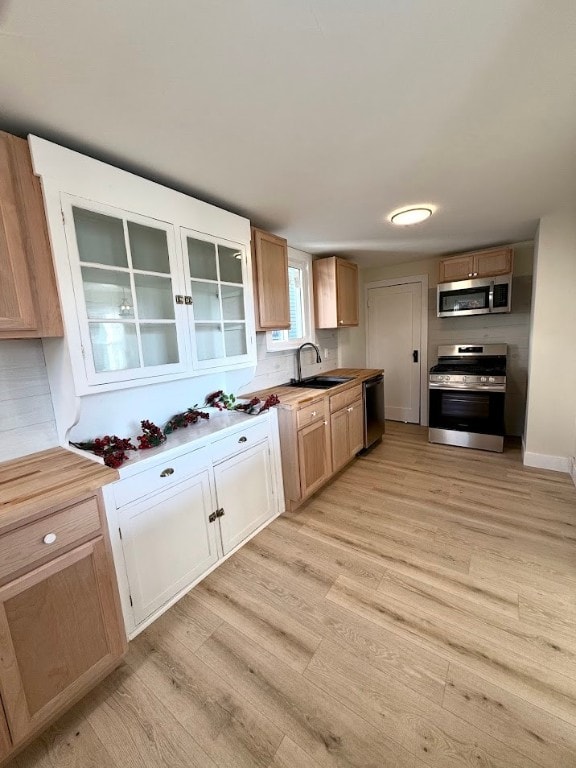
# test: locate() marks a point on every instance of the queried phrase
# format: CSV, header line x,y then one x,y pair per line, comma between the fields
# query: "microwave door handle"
x,y
491,297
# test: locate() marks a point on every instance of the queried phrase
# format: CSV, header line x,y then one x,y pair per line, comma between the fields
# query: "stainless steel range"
x,y
467,391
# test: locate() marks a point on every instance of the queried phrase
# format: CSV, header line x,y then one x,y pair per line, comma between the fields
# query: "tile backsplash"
x,y
26,415
275,368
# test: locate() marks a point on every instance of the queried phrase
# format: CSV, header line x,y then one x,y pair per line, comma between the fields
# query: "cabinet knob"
x,y
50,538
314,413
325,423
341,322
179,299
350,409
475,274
470,274
167,472
242,439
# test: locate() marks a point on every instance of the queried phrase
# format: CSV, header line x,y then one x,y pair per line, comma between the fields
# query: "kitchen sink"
x,y
320,382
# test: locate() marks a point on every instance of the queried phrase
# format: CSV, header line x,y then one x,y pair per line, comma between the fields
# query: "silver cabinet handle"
x,y
167,472
242,439
50,538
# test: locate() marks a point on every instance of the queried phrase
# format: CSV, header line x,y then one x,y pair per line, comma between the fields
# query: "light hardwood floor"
x,y
420,611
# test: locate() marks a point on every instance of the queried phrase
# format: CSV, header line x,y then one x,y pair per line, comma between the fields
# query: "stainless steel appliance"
x,y
467,391
373,410
480,296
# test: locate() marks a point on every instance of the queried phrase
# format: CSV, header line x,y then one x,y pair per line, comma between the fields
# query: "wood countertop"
x,y
295,397
33,484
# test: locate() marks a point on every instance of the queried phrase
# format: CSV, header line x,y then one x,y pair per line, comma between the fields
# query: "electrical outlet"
x,y
326,352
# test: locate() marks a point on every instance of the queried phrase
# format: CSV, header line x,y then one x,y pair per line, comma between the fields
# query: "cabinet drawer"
x,y
342,399
158,478
232,444
311,413
26,546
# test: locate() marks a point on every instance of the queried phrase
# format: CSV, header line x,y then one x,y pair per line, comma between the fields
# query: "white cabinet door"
x,y
222,312
168,542
244,492
128,287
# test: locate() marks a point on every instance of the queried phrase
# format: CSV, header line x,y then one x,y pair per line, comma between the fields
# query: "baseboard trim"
x,y
545,461
573,470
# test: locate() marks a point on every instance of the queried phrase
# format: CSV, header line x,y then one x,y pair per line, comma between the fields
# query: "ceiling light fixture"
x,y
410,216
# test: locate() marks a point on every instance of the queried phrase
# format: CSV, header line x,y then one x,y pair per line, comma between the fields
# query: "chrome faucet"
x,y
299,352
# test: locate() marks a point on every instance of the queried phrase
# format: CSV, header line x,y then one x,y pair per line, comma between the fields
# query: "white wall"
x,y
27,420
512,329
550,438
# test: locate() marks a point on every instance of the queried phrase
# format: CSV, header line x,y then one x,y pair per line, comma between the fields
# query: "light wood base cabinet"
x,y
319,439
60,630
347,434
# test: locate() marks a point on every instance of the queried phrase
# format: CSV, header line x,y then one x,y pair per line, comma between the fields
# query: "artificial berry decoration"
x,y
151,436
190,416
254,407
110,447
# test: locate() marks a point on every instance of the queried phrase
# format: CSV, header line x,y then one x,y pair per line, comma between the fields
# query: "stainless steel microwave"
x,y
480,296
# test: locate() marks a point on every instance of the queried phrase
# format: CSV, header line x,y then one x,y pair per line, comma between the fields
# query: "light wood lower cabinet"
x,y
314,456
347,427
318,439
60,629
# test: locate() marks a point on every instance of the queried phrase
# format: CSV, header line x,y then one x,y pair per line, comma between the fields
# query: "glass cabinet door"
x,y
216,273
125,271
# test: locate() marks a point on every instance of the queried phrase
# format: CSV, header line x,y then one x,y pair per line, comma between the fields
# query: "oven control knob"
x,y
464,378
446,378
483,379
491,379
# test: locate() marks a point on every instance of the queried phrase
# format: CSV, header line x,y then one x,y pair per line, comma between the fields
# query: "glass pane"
x,y
114,346
235,339
232,302
209,341
296,303
149,248
159,345
108,294
206,301
100,238
230,264
155,300
202,259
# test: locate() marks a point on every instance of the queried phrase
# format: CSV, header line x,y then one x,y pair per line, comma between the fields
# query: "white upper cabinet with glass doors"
x,y
154,284
126,281
142,311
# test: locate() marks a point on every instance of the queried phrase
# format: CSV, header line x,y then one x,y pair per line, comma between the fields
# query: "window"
x,y
300,290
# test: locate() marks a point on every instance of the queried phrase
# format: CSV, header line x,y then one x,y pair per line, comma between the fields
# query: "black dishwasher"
x,y
373,410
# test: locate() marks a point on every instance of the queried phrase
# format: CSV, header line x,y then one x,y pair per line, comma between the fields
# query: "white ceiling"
x,y
314,118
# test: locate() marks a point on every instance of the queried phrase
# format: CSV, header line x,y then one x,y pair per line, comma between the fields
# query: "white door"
x,y
168,542
244,491
393,339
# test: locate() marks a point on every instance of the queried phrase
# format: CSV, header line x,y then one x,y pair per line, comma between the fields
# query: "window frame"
x,y
302,261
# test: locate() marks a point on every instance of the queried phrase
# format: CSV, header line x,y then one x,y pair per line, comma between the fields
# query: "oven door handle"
x,y
498,388
491,297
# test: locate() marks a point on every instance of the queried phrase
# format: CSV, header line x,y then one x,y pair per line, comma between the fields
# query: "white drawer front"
x,y
159,477
232,444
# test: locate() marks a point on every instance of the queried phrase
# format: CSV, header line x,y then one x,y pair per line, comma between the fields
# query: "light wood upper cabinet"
x,y
60,624
270,272
29,303
335,292
487,263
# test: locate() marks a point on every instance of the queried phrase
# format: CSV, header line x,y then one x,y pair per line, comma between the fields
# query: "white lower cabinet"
x,y
168,542
172,522
244,490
